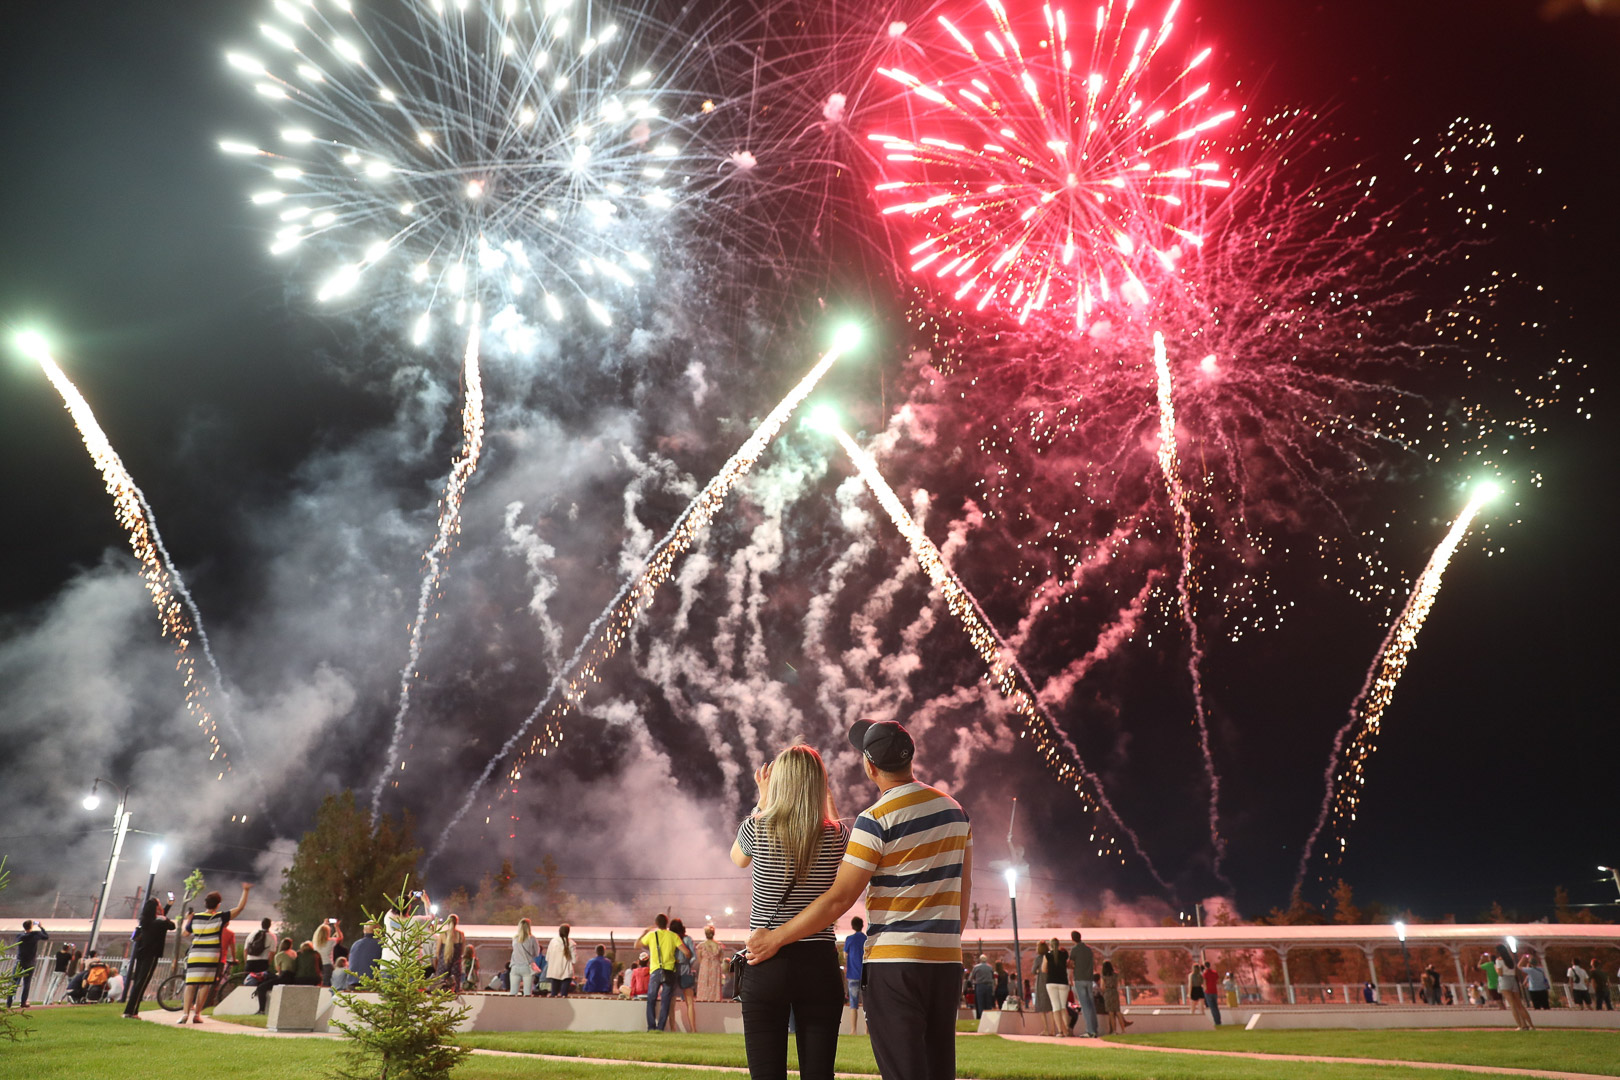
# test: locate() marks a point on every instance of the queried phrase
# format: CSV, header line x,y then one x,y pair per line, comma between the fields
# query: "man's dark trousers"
x,y
911,1016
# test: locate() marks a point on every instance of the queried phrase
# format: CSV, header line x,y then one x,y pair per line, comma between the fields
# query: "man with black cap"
x,y
920,839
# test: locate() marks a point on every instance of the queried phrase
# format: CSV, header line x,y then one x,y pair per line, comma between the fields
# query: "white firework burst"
x,y
504,152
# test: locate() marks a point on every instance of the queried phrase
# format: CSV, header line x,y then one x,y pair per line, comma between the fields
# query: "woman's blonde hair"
x,y
798,806
322,935
525,931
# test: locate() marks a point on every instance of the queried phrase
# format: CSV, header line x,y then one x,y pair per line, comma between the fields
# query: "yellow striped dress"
x,y
202,962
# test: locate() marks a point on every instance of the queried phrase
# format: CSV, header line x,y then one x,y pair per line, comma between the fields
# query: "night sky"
x,y
292,459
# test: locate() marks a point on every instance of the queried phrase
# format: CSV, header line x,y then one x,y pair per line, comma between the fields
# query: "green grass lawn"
x,y
71,1044
1563,1051
985,1058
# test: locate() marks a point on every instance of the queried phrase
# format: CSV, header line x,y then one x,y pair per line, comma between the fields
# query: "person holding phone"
x,y
327,936
153,932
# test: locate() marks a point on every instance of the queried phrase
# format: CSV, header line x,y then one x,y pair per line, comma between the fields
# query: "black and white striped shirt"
x,y
774,903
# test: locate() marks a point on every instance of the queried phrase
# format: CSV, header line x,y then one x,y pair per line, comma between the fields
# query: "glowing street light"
x,y
1613,872
1406,958
120,828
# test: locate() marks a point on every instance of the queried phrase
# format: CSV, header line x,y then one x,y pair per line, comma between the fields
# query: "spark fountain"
x,y
455,489
162,580
1346,774
1170,466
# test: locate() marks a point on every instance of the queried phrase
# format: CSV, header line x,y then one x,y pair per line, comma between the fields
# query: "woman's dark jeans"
x,y
803,980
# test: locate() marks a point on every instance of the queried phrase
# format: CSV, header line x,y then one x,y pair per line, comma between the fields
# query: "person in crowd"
x,y
1487,964
984,986
1195,988
328,936
76,979
204,960
281,973
1430,981
1110,995
1537,983
560,962
469,967
449,947
63,967
366,953
662,946
26,954
1507,984
306,969
1002,987
710,966
854,964
1230,986
1057,984
151,936
1042,1002
685,977
115,985
641,978
1084,962
259,950
792,845
924,842
599,972
1600,985
343,976
521,965
1580,985
1212,989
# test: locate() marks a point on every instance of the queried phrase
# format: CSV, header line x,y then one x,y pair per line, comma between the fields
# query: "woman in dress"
x,y
1042,1002
792,844
204,960
560,962
685,977
524,946
448,946
710,966
1110,995
1507,984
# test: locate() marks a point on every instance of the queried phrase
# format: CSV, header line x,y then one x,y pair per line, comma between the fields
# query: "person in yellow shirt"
x,y
662,947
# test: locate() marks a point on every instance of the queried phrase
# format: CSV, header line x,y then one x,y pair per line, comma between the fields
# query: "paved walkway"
x,y
225,1027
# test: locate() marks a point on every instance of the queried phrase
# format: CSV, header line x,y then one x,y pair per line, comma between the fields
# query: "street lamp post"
x,y
1011,874
120,827
151,875
1614,872
1406,960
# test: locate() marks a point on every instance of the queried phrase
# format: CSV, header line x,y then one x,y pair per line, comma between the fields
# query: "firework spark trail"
x,y
1056,690
1343,794
455,490
1005,672
1170,465
610,629
1054,589
134,514
1059,183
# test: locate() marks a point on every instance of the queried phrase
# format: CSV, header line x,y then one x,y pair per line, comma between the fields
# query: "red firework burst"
x,y
1045,181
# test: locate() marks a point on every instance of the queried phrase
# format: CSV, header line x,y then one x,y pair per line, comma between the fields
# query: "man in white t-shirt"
x,y
1579,985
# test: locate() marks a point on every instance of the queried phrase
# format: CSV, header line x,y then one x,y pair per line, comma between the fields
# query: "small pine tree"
x,y
12,1027
406,1033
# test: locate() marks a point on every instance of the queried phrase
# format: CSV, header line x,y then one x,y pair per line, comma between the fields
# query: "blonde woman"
x,y
710,960
560,963
793,845
448,946
524,947
327,936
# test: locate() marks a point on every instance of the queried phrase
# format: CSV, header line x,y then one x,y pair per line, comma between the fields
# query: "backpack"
x,y
258,943
97,975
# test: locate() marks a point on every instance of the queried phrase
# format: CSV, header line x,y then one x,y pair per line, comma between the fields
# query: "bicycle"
x,y
171,992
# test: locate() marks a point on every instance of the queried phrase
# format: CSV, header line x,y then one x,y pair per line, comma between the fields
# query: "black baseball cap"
x,y
885,743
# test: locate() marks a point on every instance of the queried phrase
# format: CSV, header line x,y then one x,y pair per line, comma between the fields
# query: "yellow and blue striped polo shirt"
x,y
914,840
